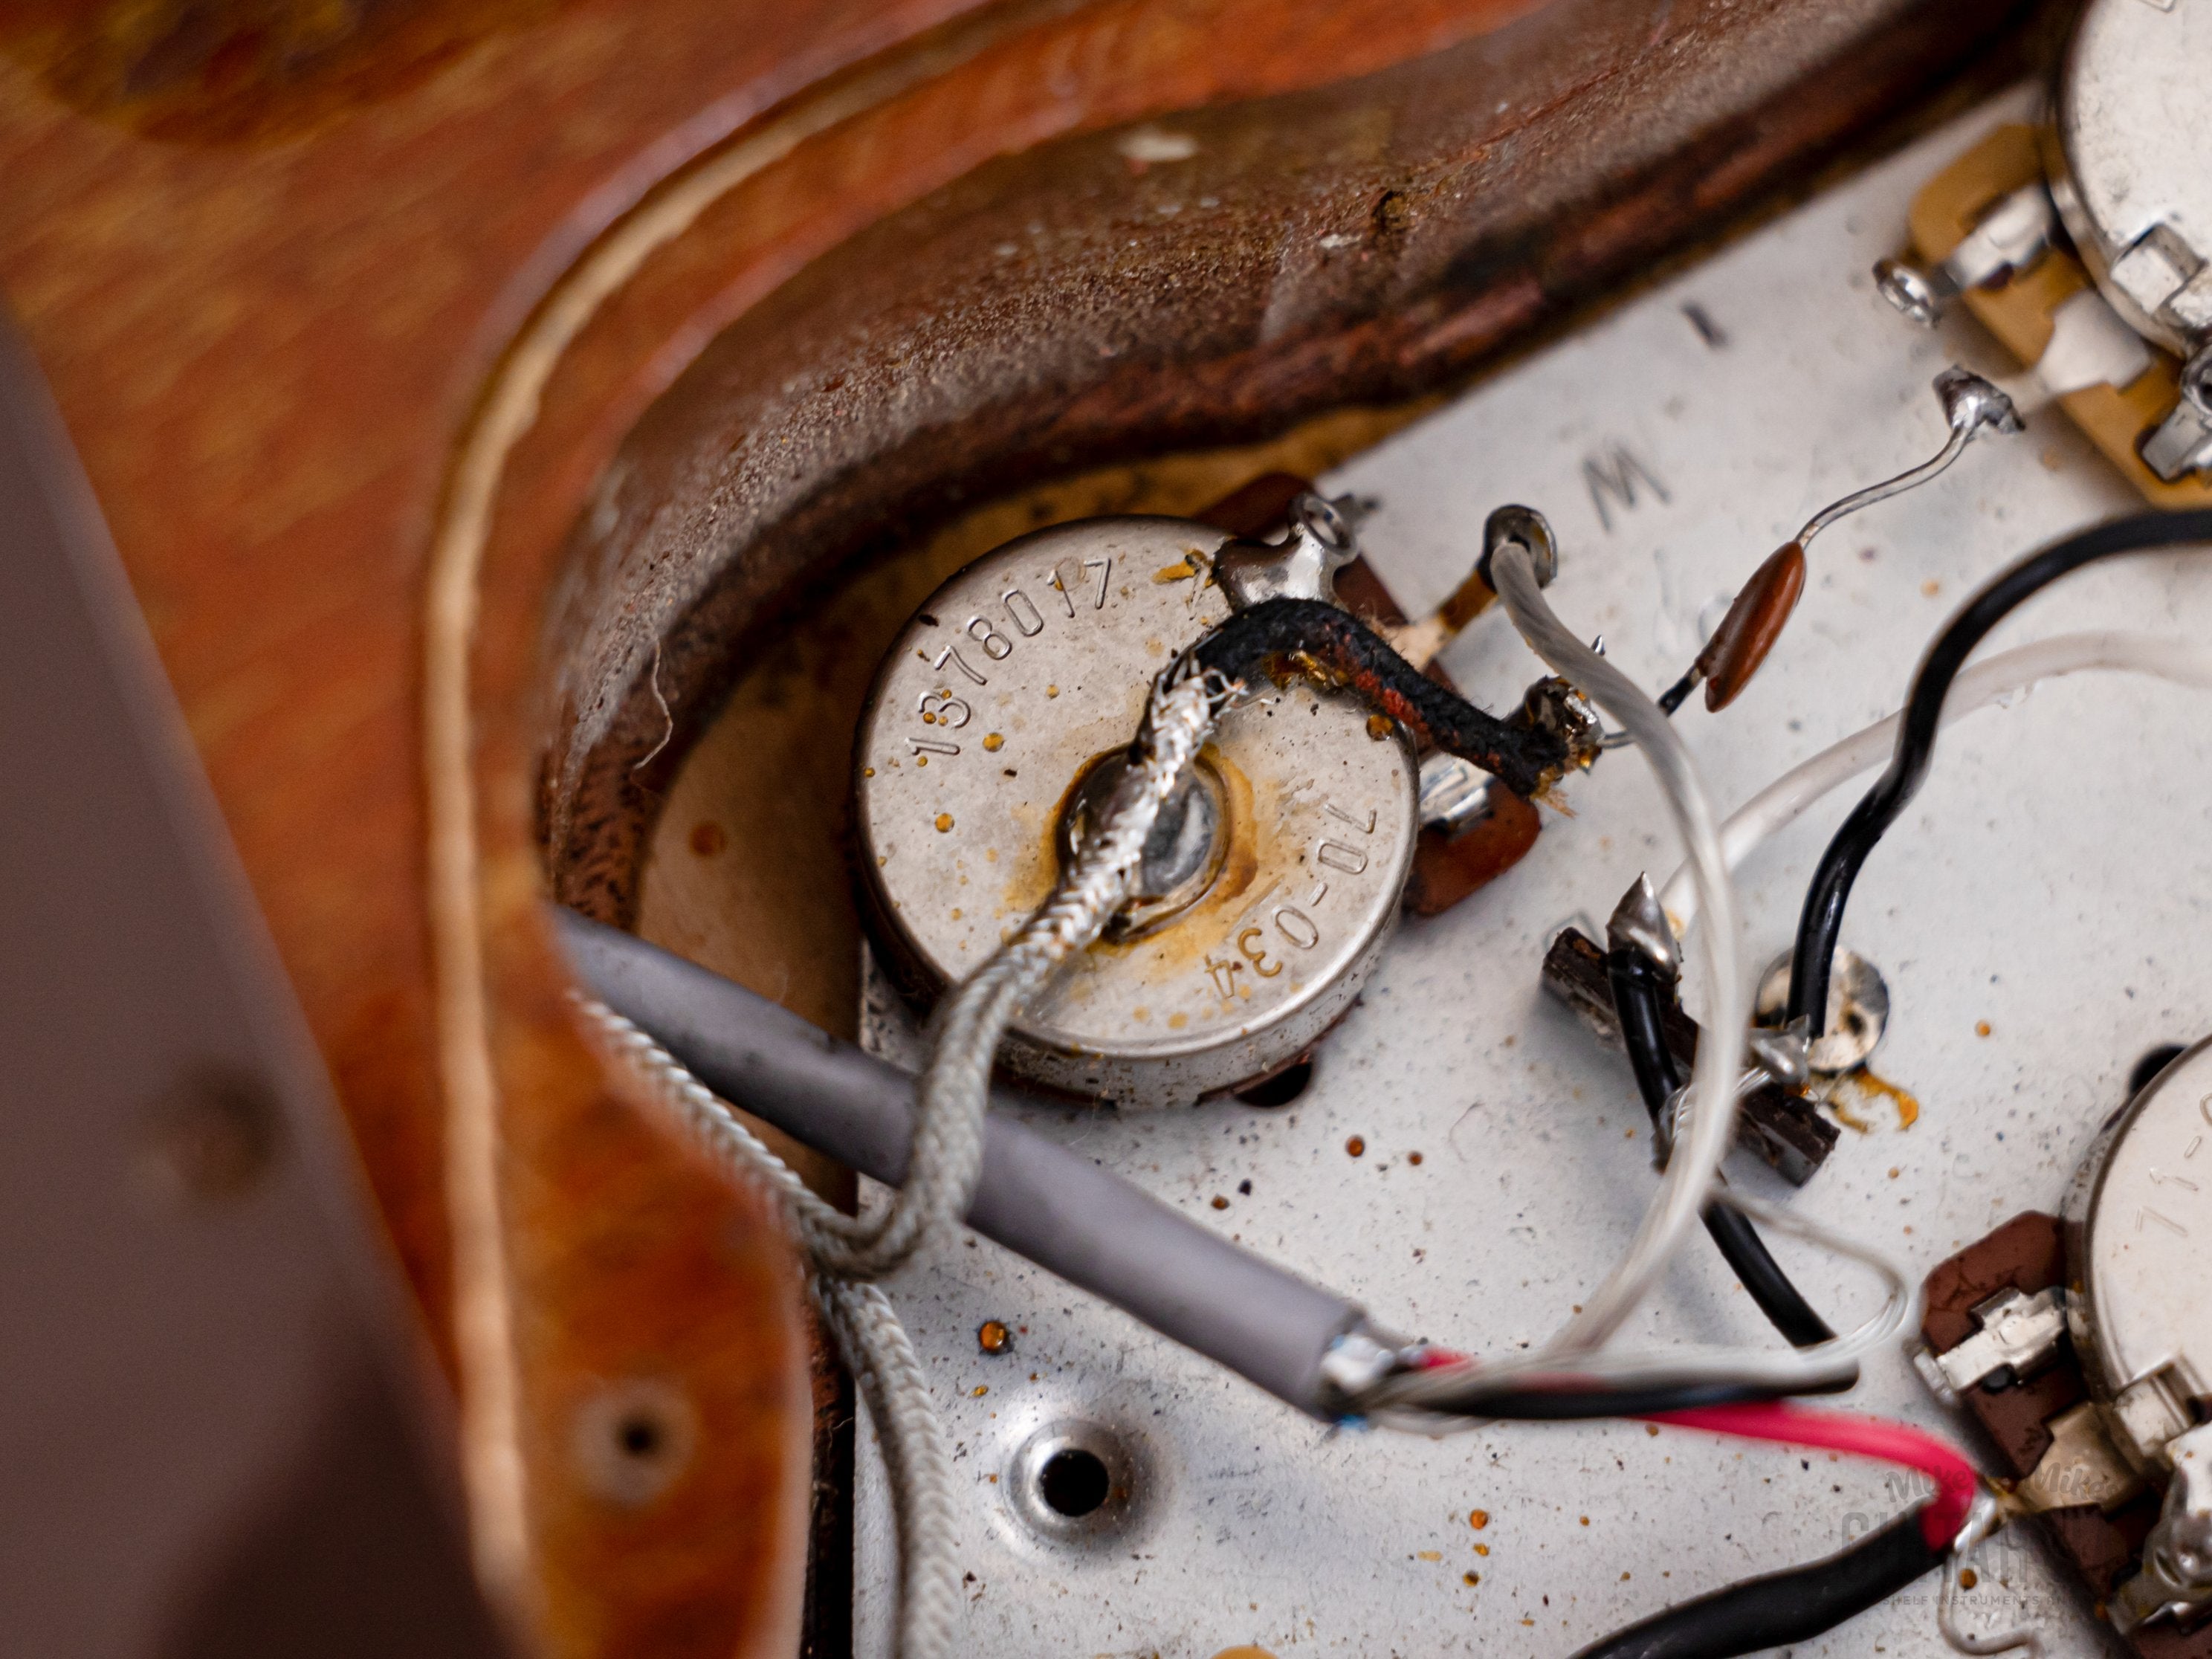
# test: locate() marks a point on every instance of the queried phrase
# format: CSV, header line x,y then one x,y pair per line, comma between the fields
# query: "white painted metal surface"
x,y
2050,883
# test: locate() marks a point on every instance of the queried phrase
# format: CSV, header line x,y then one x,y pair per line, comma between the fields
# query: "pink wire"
x,y
1862,1436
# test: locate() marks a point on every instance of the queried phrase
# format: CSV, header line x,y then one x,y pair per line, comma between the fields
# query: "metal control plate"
x,y
1019,674
2047,885
2135,102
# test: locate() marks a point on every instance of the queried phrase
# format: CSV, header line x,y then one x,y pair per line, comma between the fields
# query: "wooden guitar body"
x,y
480,390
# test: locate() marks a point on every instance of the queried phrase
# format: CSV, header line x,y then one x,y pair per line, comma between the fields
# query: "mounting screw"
x,y
1913,291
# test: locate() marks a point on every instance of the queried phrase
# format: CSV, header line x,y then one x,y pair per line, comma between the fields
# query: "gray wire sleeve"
x,y
1055,1208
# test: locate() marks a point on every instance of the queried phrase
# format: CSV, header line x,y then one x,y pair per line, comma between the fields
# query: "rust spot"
x,y
1866,1087
708,838
1413,1158
1908,1106
1219,1202
1181,571
1380,727
1470,1577
992,1336
1356,1146
1480,1518
944,823
1981,1028
994,741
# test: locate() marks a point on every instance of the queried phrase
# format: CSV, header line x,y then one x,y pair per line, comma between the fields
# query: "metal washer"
x,y
1022,671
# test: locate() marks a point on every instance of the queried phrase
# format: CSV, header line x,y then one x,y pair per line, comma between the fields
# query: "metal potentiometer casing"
x,y
2138,1221
1016,683
2129,167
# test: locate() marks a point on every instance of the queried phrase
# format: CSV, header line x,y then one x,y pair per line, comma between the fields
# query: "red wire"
x,y
1863,1436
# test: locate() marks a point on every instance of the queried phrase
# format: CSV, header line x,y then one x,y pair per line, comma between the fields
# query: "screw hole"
x,y
1074,1483
1280,1090
633,1439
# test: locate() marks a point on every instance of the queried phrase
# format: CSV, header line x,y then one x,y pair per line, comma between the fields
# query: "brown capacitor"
x,y
1753,624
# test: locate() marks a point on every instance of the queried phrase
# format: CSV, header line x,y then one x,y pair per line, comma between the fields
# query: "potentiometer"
x,y
997,725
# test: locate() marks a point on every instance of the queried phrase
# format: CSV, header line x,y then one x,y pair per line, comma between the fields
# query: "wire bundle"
x,y
1732,1391
1580,1375
847,1252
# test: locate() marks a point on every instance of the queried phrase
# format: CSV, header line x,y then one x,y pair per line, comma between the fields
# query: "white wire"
x,y
1703,1142
847,1252
1782,802
1691,1171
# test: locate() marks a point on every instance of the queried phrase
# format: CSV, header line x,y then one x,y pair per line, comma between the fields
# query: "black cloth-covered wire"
x,y
1286,639
1640,992
1795,1605
1830,890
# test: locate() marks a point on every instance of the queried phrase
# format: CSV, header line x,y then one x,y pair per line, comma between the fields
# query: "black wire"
x,y
1577,1405
1830,888
1640,993
1569,1401
1308,638
1795,1605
